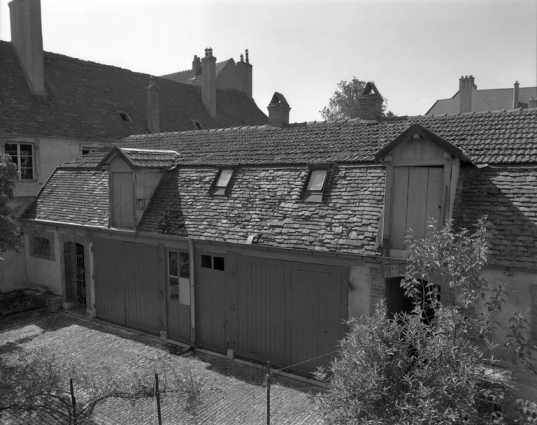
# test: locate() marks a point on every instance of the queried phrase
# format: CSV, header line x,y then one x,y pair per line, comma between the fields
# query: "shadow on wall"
x,y
509,199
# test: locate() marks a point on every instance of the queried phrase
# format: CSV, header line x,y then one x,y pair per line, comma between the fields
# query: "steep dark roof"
x,y
84,99
493,138
73,196
189,77
484,100
265,203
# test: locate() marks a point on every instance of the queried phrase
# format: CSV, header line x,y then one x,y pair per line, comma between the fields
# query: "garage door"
x,y
126,284
290,313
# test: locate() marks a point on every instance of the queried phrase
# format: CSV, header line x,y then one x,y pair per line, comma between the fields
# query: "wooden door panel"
x,y
261,304
109,290
318,301
399,207
434,194
211,305
417,201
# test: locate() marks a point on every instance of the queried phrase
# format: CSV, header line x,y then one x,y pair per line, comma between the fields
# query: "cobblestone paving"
x,y
232,393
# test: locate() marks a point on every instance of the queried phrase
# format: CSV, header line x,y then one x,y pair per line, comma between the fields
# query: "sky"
x,y
414,51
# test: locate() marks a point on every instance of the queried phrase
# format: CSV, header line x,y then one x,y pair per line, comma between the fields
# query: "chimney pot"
x,y
278,111
515,95
208,82
196,65
247,58
466,87
153,106
369,103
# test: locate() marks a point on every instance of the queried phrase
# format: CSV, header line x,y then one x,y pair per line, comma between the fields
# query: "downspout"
x,y
192,293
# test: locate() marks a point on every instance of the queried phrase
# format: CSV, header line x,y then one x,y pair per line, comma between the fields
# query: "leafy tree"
x,y
343,103
427,366
9,230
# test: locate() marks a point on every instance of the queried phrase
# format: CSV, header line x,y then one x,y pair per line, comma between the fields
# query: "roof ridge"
x,y
82,62
495,111
147,150
190,69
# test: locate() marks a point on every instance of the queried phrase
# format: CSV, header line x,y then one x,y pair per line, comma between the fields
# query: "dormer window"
x,y
222,180
124,117
315,185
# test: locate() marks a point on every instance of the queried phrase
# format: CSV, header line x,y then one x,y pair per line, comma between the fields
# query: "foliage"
x,y
44,388
343,103
9,231
427,366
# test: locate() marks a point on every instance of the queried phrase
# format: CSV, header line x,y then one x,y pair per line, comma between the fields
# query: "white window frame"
x,y
18,158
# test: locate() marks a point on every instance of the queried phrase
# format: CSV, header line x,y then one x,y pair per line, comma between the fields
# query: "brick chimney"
x,y
208,82
532,103
466,86
515,95
27,41
196,65
245,74
369,103
278,111
153,108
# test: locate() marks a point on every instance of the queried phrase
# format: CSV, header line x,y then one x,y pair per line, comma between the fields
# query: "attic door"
x,y
417,196
122,208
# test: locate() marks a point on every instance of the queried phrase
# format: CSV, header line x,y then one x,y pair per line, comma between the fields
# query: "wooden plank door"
x,y
126,284
140,274
211,301
261,304
317,307
109,284
417,197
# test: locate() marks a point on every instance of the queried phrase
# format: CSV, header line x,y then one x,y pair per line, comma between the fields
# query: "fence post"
x,y
158,399
73,400
268,393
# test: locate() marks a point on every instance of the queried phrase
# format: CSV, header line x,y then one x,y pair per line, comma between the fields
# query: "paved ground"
x,y
232,393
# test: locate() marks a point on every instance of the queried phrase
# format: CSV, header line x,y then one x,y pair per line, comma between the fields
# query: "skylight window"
x,y
123,116
317,179
221,183
197,124
315,185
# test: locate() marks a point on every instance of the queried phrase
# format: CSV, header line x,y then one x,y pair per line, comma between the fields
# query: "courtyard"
x,y
232,392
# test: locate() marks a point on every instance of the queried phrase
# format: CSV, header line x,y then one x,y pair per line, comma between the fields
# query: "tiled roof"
x,y
484,100
264,199
509,197
265,202
491,137
73,196
89,161
84,99
188,76
144,158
